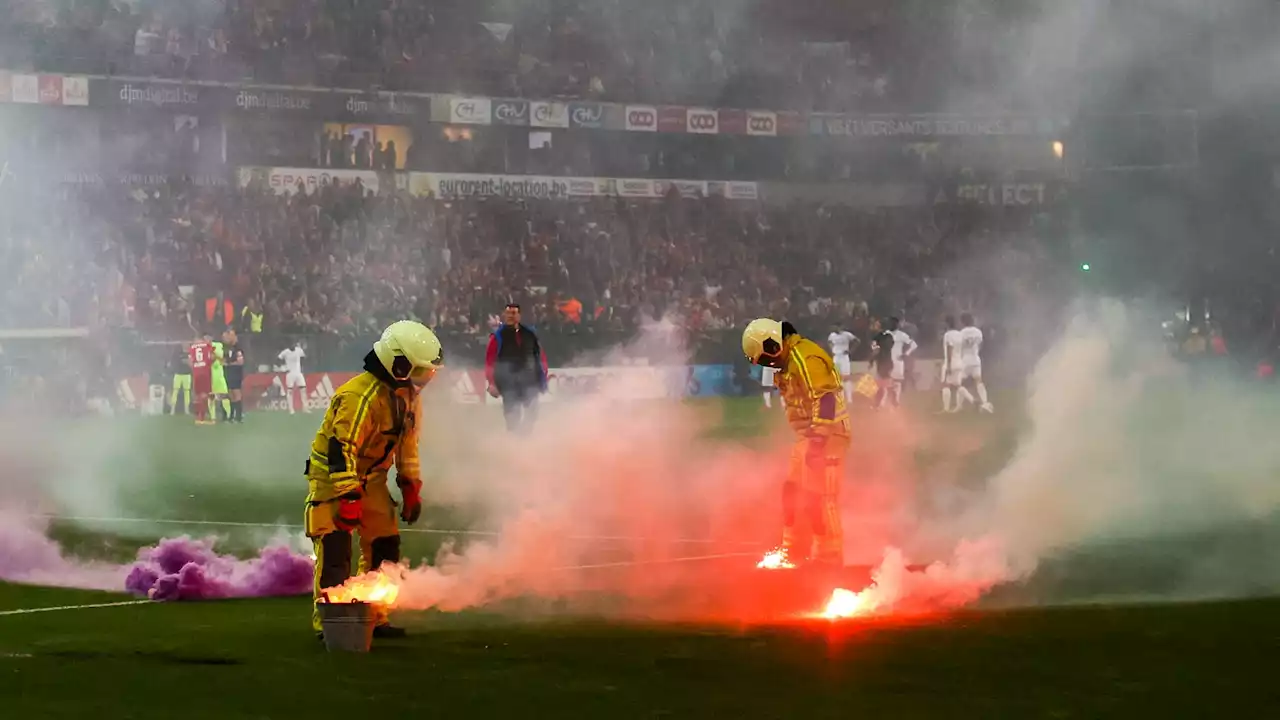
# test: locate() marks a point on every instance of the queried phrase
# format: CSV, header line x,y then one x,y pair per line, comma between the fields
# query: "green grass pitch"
x,y
257,658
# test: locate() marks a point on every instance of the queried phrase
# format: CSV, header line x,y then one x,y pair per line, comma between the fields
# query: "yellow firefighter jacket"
x,y
811,389
372,421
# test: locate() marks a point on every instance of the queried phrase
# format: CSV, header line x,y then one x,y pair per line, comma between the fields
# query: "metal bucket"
x,y
348,627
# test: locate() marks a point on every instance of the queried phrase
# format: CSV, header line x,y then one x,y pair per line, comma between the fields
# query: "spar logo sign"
x,y
289,180
470,111
703,121
511,112
642,118
586,115
760,122
549,114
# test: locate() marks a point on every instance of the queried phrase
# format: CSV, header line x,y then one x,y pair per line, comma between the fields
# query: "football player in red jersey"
x,y
200,355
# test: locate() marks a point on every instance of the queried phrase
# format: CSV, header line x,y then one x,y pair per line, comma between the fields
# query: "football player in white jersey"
x,y
842,343
951,371
767,385
900,348
971,360
293,377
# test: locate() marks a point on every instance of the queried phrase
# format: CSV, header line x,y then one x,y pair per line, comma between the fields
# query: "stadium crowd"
x,y
799,56
342,261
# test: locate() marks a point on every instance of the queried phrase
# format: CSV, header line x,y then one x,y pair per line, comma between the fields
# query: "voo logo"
x,y
641,118
762,124
702,121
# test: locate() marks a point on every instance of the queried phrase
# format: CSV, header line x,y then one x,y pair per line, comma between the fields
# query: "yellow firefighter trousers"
x,y
811,499
379,519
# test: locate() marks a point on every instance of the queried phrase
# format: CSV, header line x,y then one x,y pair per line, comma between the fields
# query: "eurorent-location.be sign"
x,y
539,187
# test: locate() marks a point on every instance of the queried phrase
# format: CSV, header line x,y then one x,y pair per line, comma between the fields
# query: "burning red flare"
x,y
775,560
846,604
374,588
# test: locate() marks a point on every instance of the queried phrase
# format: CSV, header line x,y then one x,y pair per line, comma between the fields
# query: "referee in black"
x,y
515,367
233,369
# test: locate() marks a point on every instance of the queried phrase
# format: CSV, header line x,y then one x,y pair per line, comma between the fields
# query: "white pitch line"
x,y
668,561
421,531
29,611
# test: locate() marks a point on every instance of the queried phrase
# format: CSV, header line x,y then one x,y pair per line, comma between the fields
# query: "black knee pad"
x,y
384,549
335,559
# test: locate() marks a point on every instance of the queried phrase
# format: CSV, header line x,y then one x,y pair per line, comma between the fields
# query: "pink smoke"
x,y
187,569
174,569
28,557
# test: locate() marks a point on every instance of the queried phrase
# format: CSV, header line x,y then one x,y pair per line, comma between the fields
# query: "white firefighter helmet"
x,y
409,351
762,342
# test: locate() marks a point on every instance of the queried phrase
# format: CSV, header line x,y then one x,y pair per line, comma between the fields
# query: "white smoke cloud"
x,y
1129,458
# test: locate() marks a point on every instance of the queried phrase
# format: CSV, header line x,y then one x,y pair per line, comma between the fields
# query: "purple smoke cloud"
x,y
29,557
186,569
174,569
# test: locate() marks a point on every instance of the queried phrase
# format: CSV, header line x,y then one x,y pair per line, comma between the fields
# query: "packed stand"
x,y
342,262
718,52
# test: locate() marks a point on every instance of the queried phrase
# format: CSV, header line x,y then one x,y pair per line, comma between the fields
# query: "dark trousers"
x,y
519,406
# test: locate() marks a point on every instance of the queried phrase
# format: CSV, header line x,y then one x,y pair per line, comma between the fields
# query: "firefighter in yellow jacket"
x,y
810,385
372,422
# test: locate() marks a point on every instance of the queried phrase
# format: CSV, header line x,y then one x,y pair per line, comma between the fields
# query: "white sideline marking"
x,y
29,611
668,561
422,531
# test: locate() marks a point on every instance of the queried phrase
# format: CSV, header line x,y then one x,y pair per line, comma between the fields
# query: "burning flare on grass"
x,y
375,588
775,560
847,604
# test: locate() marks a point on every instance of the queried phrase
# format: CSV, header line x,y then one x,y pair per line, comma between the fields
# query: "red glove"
x,y
349,511
411,500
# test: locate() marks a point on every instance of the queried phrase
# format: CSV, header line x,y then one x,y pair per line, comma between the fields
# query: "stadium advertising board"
x,y
998,194
470,110
541,187
140,93
381,106
549,114
210,98
288,180
703,121
762,122
641,118
889,126
586,115
30,89
630,382
511,112
926,373
265,391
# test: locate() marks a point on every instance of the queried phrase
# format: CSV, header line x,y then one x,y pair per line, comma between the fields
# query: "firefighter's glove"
x,y
411,499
